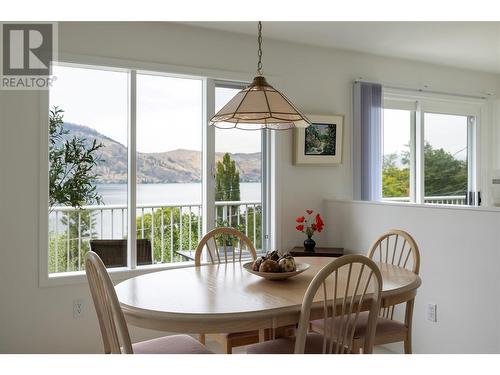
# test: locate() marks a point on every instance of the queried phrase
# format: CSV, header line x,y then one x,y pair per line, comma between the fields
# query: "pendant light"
x,y
259,106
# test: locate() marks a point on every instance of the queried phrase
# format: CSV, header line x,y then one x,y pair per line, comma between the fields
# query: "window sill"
x,y
434,206
117,274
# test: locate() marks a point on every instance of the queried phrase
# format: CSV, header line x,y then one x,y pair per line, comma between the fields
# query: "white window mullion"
x,y
413,166
266,191
419,155
132,172
471,159
208,169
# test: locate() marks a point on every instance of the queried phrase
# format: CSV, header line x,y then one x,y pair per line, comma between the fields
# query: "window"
x,y
141,139
87,115
446,149
169,149
429,151
396,181
241,150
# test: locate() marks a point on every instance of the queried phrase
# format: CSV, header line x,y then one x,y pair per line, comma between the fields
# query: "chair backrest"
x,y
113,253
349,284
398,248
114,331
219,251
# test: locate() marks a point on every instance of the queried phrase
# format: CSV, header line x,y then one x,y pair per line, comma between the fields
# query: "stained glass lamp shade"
x,y
259,106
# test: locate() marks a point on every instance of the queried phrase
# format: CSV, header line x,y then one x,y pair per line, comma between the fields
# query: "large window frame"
x,y
420,103
265,152
210,80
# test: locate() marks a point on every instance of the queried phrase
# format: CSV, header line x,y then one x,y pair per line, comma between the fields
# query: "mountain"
x,y
178,166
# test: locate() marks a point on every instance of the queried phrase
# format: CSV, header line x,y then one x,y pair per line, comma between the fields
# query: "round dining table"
x,y
225,298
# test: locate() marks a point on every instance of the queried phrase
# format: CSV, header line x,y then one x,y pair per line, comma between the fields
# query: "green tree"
x,y
395,181
257,212
227,180
71,164
444,175
71,183
180,232
73,243
227,188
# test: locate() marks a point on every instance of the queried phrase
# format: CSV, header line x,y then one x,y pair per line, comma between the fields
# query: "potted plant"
x,y
308,226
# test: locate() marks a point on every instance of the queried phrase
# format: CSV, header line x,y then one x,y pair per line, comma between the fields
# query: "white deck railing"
x,y
438,199
70,229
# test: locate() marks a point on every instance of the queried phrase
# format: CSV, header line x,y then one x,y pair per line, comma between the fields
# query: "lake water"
x,y
148,194
156,194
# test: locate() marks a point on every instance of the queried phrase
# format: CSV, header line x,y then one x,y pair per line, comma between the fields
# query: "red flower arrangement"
x,y
310,225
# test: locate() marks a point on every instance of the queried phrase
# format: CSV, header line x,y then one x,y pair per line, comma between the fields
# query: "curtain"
x,y
367,141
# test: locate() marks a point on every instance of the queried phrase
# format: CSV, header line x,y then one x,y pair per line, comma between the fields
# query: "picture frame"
x,y
321,142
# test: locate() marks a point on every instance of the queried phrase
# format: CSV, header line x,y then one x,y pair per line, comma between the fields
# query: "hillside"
x,y
178,166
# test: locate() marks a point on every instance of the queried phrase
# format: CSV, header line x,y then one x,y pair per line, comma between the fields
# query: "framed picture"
x,y
320,143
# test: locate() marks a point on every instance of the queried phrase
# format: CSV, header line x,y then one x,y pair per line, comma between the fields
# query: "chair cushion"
x,y
384,326
177,344
314,345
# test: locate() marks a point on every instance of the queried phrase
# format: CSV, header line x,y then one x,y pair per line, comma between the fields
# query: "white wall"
x,y
34,319
459,268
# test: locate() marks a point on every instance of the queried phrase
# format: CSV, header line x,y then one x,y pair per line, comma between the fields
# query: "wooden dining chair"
x,y
345,287
398,248
114,330
219,251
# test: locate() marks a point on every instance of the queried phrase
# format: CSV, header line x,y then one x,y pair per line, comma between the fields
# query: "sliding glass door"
x,y
149,143
238,164
168,159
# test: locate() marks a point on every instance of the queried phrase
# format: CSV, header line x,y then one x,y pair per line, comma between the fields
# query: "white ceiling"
x,y
470,45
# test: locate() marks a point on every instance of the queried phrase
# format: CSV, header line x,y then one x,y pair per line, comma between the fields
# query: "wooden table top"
x,y
208,298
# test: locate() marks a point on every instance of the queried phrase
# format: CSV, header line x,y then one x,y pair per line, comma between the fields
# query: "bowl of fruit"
x,y
273,266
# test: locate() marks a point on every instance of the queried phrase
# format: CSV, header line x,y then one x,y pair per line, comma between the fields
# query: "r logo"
x,y
27,49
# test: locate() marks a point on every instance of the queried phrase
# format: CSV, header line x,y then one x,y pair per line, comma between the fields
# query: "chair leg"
x,y
290,331
228,347
407,343
408,323
356,347
316,329
201,338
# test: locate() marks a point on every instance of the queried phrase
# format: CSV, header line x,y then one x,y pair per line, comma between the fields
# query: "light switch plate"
x,y
77,308
432,312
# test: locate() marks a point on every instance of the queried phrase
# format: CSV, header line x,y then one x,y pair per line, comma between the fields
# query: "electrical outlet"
x,y
432,312
77,308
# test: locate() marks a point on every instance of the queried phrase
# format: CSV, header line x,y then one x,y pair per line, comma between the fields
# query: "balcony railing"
x,y
173,229
438,199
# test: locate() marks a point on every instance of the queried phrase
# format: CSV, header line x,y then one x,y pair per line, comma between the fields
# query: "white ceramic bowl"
x,y
300,267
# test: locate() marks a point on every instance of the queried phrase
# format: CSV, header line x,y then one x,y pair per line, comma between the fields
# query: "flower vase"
x,y
309,244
